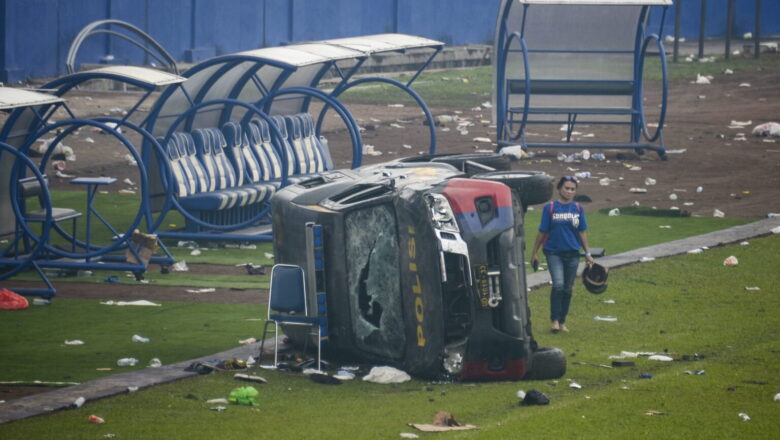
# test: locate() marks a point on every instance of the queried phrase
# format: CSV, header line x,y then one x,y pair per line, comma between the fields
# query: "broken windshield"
x,y
374,282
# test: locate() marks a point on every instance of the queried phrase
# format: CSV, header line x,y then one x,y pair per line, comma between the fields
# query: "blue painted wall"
x,y
36,34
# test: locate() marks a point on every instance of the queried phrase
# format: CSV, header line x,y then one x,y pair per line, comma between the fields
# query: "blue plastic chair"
x,y
287,305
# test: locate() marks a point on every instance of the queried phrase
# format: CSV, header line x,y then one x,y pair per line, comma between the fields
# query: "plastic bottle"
x,y
78,402
155,363
141,339
95,419
127,362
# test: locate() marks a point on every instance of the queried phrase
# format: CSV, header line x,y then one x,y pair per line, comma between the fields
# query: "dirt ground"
x,y
738,177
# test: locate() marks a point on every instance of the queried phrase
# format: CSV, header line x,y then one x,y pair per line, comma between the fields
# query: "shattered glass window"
x,y
374,281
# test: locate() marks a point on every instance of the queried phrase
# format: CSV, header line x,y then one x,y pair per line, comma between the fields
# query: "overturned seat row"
x,y
225,176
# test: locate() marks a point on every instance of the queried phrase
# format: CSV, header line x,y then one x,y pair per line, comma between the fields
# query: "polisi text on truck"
x,y
417,290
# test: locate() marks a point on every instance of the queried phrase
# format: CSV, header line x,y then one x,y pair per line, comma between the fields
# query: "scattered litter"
x,y
95,419
247,341
395,105
127,362
646,259
728,72
344,375
650,181
218,400
268,255
202,290
131,389
608,301
775,230
718,213
604,181
745,84
777,397
442,421
140,302
767,129
195,252
59,165
129,182
635,168
487,104
370,150
482,139
394,125
575,385
699,189
582,174
180,266
696,372
678,151
731,261
141,339
660,357
599,156
696,251
744,417
409,435
752,288
744,243
386,375
62,175
652,412
637,190
249,378
619,363
701,79
407,146
78,402
665,226
514,151
155,363
534,397
126,191
672,196
74,342
606,318
218,408
645,376
614,212
244,396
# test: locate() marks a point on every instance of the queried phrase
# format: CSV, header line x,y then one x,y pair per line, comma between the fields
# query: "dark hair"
x,y
568,179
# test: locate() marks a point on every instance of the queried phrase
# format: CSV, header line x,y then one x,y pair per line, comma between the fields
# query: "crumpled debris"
x,y
514,151
744,417
74,342
731,261
718,213
701,80
535,397
660,357
614,212
202,290
140,302
386,375
442,421
646,259
244,396
767,129
180,266
605,318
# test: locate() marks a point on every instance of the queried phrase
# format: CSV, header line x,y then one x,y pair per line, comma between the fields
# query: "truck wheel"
x,y
534,187
493,160
547,363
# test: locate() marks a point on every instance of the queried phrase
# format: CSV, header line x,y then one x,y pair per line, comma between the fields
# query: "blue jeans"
x,y
563,271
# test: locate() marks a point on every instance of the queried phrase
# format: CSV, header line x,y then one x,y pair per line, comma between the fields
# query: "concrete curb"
x,y
672,248
59,399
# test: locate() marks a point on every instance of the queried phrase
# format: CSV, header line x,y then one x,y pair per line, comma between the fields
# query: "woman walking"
x,y
562,232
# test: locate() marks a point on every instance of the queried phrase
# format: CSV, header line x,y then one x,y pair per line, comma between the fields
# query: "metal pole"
x,y
677,10
729,26
757,33
701,27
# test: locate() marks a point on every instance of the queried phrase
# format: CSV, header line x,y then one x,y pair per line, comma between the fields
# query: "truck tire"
x,y
493,160
534,187
547,363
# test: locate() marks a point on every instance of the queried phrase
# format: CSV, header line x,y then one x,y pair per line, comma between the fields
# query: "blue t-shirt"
x,y
563,225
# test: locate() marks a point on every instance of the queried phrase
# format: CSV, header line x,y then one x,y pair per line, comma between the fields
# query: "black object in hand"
x,y
535,265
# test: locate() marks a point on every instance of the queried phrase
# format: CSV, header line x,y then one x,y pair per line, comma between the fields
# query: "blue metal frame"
x,y
638,124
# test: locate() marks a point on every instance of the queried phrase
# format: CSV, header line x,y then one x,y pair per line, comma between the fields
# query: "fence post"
x,y
677,11
757,33
701,27
729,26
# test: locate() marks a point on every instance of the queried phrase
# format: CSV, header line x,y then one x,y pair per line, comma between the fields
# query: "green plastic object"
x,y
244,396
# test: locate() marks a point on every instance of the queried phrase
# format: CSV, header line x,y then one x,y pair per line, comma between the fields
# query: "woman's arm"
x,y
586,247
541,237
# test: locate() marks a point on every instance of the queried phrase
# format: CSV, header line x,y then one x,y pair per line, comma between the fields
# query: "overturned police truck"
x,y
421,264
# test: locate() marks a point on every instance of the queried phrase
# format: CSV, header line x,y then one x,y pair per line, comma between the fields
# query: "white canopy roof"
x,y
303,54
384,42
14,98
150,76
599,2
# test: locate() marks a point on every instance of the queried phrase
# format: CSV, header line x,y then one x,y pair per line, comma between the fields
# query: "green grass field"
x,y
685,305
